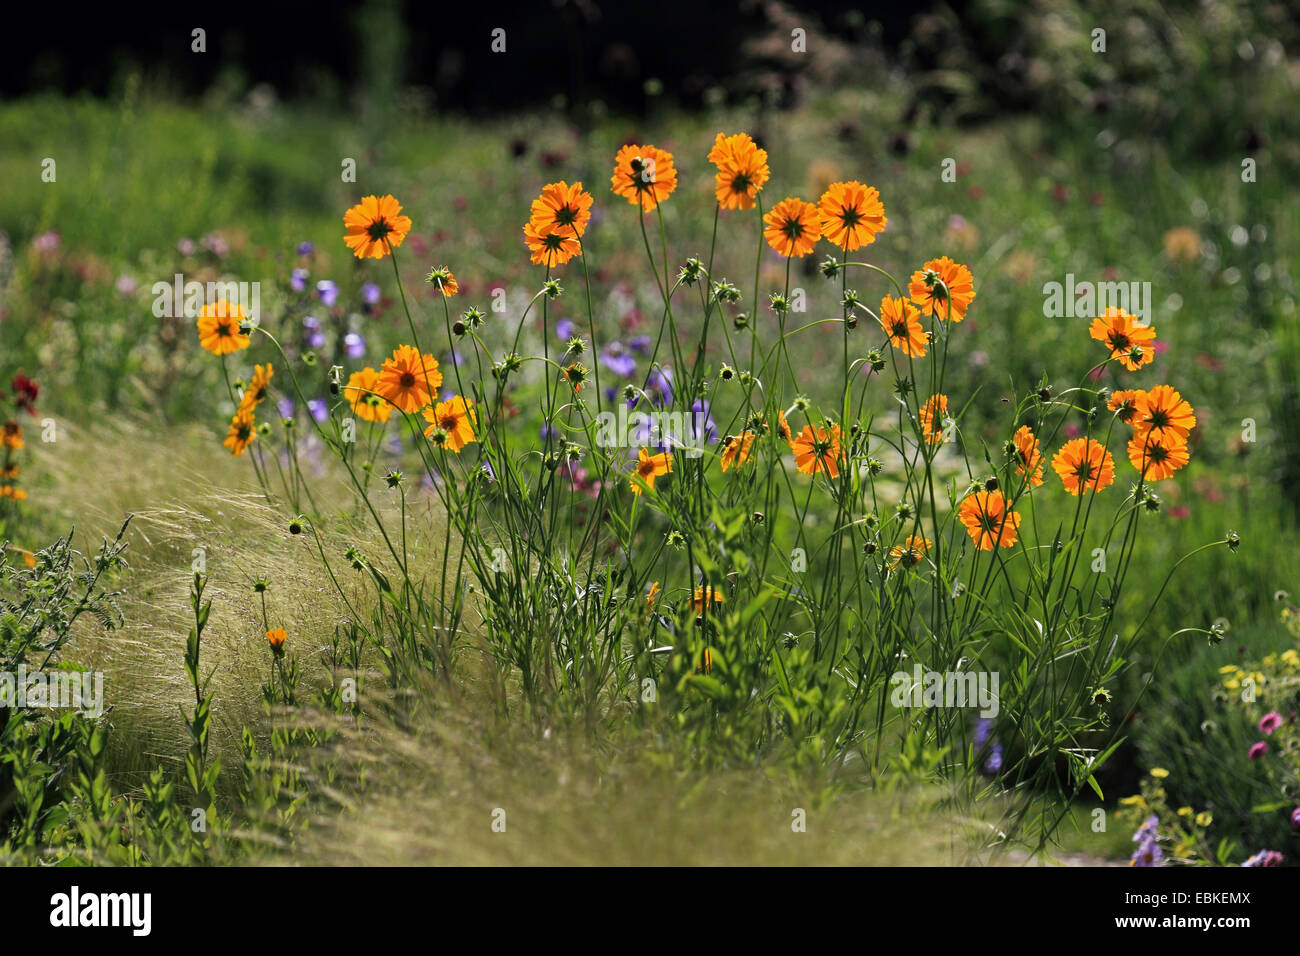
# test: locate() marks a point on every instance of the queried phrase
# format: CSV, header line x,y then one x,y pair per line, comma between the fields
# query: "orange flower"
x,y
444,281
851,215
703,596
783,428
455,417
1124,337
792,227
11,433
1157,455
910,552
1125,402
735,449
901,322
276,639
375,227
9,491
1029,460
575,375
818,449
242,432
408,379
219,330
933,413
649,467
928,285
359,392
988,521
549,246
259,387
564,208
643,175
1084,464
1163,410
742,170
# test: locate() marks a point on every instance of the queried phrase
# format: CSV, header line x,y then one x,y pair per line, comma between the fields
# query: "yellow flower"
x,y
1137,800
1184,811
1204,818
1159,773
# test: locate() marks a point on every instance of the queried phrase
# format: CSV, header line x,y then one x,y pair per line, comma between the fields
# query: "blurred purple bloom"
x,y
640,344
701,427
285,405
319,409
994,763
370,293
659,386
1265,858
1295,817
298,279
354,345
564,330
328,292
186,247
312,334
617,359
306,248
1270,722
1257,750
1148,853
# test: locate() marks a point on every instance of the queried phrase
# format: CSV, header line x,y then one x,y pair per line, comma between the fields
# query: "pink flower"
x,y
1257,750
1295,817
1270,722
1179,511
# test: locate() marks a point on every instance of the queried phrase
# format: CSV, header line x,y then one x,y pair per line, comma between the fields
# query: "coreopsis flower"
x,y
441,278
988,520
736,449
851,215
563,208
276,638
1124,403
408,379
944,288
259,387
818,449
456,417
1157,455
742,170
243,429
793,227
1132,345
643,175
901,322
1162,410
704,596
359,391
375,227
933,413
909,553
649,467
783,428
549,245
219,327
15,494
1084,465
11,434
1029,460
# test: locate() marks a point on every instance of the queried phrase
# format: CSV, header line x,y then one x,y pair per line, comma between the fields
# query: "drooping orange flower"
x,y
219,327
1157,455
1162,410
933,413
643,175
988,520
649,467
852,215
783,428
360,394
11,433
742,170
736,448
444,280
550,246
562,207
901,322
259,387
910,552
940,282
455,417
1132,345
1084,465
793,227
1124,402
818,449
375,227
409,380
243,429
1029,460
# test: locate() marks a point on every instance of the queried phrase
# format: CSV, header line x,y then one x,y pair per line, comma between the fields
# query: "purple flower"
x,y
186,247
328,292
994,763
564,330
1265,858
617,359
1295,817
1270,722
1148,829
312,334
640,344
319,409
285,406
370,293
659,386
126,285
306,248
1257,750
702,427
298,279
354,345
216,244
1148,853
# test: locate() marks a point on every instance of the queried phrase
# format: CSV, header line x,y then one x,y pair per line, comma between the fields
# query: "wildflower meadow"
x,y
829,471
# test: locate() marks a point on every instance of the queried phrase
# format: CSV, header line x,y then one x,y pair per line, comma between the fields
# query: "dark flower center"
x,y
378,229
407,380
